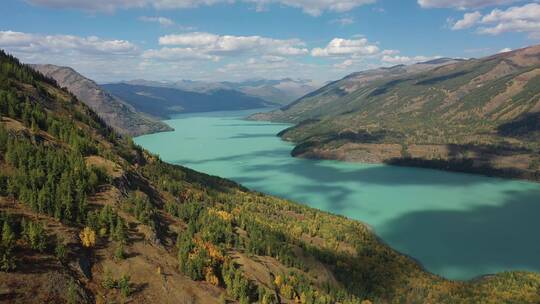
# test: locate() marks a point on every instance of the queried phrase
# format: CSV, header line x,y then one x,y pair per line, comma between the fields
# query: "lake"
x,y
457,225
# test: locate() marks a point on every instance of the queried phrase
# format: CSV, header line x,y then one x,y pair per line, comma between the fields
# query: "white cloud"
x,y
390,52
272,58
263,68
175,54
529,12
344,65
94,57
463,4
521,26
161,20
312,7
406,59
469,19
505,50
25,42
523,19
343,21
346,47
199,56
211,44
518,19
112,5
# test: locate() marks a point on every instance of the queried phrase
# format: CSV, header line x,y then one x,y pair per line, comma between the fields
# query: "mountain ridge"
x,y
443,115
280,91
164,101
116,112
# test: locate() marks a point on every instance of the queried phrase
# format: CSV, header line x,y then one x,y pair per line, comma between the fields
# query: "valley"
x,y
429,215
87,216
269,152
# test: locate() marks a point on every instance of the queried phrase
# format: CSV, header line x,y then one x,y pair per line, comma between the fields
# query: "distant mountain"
x,y
332,98
116,112
477,115
162,101
281,91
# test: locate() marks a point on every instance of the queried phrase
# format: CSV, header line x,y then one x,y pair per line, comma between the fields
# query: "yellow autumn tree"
x,y
210,277
287,291
88,237
278,281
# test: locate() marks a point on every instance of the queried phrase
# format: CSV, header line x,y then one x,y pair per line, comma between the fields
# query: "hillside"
x,y
163,102
478,115
114,111
283,91
88,217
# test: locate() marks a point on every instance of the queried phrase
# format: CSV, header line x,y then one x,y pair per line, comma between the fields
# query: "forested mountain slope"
x,y
114,111
163,102
88,217
478,115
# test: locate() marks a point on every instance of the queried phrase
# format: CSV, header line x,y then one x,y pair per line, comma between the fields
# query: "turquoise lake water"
x,y
457,225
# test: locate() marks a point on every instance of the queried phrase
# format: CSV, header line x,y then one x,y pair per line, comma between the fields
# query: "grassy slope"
x,y
282,248
476,115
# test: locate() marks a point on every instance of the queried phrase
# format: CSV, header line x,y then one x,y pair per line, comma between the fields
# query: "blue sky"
x,y
112,40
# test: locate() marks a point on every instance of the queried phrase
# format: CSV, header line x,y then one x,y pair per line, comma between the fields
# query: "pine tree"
x,y
7,259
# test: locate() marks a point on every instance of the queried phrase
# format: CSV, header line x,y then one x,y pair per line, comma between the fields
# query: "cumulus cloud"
x,y
514,19
207,44
26,42
463,4
92,56
312,7
505,50
346,47
161,20
469,19
520,19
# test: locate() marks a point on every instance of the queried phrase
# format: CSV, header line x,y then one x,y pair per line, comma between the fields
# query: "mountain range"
x,y
136,108
163,102
86,216
475,115
283,91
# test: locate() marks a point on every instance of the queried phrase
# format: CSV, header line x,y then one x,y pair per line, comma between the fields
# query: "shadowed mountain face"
x,y
163,102
281,91
424,111
116,112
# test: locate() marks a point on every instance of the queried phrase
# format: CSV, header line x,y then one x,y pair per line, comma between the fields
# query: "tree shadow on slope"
x,y
438,79
526,126
475,159
478,240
